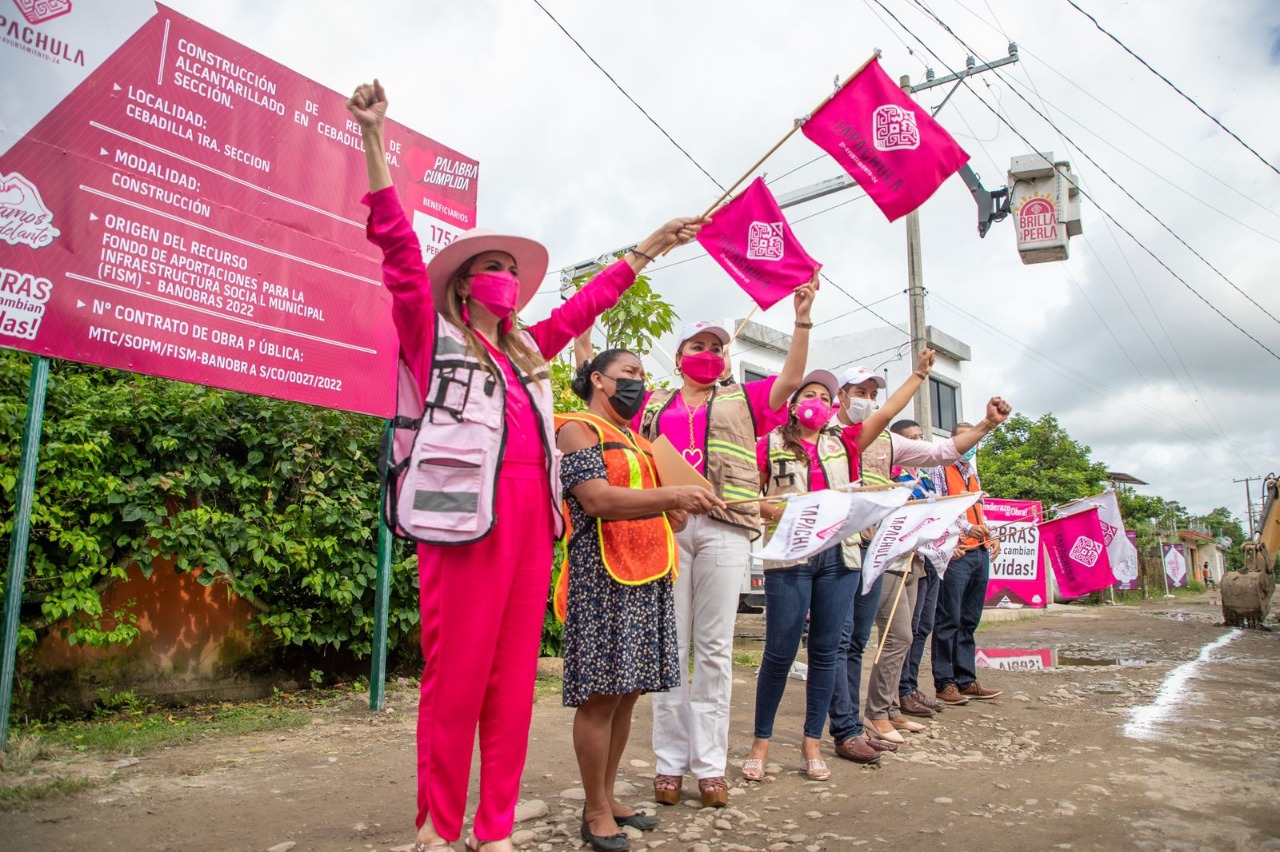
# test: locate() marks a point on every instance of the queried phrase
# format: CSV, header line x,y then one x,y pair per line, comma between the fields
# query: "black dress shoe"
x,y
644,822
616,843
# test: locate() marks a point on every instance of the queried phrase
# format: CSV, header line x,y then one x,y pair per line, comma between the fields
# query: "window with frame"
x,y
750,375
943,405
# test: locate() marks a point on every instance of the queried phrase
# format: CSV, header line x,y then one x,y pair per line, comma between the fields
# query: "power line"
x,y
1083,381
1084,192
1022,49
1109,218
1193,196
1171,85
1169,338
757,346
1119,186
859,302
1025,51
825,277
1201,408
796,169
627,95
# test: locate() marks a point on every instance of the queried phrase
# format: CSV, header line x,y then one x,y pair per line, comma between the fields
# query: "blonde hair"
x,y
510,343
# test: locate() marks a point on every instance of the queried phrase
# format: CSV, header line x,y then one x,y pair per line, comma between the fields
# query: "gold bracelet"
x,y
919,374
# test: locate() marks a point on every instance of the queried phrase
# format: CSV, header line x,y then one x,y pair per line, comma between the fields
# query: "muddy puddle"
x,y
1034,659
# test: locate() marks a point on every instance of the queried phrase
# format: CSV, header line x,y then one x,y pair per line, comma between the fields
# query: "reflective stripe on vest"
x,y
833,458
730,463
635,551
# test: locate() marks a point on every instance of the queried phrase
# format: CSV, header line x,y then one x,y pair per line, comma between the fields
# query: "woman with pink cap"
x,y
716,427
803,455
482,489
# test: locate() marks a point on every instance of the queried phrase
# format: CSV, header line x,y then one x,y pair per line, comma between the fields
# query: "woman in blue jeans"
x,y
802,455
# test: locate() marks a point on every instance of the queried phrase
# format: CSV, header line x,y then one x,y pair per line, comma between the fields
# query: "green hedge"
x,y
276,500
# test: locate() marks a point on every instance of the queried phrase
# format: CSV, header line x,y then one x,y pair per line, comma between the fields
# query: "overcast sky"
x,y
1131,362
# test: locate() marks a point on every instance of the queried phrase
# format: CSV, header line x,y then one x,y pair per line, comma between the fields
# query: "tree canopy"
x,y
1029,459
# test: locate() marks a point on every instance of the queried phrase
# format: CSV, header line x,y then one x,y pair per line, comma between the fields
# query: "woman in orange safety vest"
x,y
615,588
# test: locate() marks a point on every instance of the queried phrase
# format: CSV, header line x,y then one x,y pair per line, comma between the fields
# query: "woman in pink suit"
x,y
481,493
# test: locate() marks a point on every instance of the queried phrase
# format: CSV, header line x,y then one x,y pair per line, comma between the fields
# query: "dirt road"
x,y
1155,753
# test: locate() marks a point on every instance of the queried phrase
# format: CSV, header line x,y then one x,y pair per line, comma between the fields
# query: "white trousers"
x,y
691,721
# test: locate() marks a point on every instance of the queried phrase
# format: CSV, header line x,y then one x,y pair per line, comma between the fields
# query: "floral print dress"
x,y
617,638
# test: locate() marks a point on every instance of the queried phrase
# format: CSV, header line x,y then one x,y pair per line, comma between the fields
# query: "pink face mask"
x,y
497,291
813,413
702,367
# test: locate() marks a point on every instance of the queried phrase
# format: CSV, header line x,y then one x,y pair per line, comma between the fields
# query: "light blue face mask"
x,y
969,454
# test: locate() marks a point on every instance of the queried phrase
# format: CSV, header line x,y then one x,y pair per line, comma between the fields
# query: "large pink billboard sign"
x,y
173,203
1018,577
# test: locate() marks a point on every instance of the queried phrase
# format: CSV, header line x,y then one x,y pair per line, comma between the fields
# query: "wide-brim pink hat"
x,y
530,256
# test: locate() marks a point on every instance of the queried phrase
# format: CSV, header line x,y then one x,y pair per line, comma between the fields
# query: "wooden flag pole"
x,y
947,497
888,627
798,124
742,325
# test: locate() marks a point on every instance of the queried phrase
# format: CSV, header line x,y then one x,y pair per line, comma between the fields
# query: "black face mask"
x,y
628,398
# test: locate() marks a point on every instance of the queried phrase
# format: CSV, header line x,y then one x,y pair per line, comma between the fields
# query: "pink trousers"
x,y
482,612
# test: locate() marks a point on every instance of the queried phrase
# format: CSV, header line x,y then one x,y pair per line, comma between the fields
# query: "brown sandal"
x,y
667,789
715,791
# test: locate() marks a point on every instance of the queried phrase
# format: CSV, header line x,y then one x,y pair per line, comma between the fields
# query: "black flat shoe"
x,y
617,843
644,822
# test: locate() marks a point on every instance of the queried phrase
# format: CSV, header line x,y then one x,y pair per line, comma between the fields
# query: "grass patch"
x,y
545,686
135,734
126,725
751,659
16,796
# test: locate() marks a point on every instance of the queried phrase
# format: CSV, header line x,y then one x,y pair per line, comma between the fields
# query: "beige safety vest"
x,y
730,443
789,475
875,467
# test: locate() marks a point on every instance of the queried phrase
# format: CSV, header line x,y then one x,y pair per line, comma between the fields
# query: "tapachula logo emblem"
x,y
764,241
39,11
894,128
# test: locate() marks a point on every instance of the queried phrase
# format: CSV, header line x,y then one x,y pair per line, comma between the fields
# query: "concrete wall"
x,y
193,644
885,349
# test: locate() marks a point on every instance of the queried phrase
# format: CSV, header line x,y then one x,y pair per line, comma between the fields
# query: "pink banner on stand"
x,y
1075,550
1018,577
1175,565
1135,583
1014,659
172,203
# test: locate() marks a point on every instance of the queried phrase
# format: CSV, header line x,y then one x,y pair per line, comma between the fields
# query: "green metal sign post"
x,y
21,536
381,602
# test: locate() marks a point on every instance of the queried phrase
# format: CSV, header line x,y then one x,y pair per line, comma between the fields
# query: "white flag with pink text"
x,y
820,519
916,524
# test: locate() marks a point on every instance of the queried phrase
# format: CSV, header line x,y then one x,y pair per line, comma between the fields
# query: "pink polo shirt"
x,y
673,422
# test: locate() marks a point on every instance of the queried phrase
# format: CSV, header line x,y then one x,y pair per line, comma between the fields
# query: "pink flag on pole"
x,y
886,141
1076,550
751,239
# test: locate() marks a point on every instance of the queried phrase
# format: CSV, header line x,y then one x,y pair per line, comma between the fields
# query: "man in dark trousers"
x,y
963,591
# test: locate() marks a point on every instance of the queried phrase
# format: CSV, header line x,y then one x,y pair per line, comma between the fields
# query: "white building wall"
x,y
760,350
